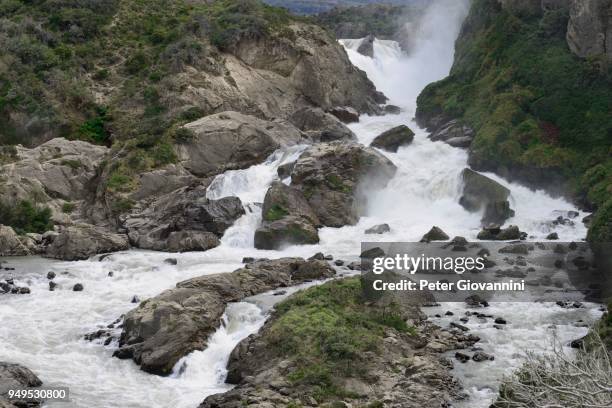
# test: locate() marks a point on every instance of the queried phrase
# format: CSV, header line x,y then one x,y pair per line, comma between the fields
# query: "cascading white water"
x,y
44,330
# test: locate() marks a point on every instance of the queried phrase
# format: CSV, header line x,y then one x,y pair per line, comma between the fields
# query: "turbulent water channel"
x,y
44,331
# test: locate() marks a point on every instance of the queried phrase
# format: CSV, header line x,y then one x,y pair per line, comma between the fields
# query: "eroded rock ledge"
x,y
167,327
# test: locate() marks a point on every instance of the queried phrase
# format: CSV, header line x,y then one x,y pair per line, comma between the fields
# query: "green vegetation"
x,y
68,208
533,104
275,213
326,330
26,217
61,58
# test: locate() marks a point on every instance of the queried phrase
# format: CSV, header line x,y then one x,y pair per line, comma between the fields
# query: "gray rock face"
x,y
321,126
454,133
480,192
167,327
10,245
367,46
315,65
231,140
378,229
392,139
82,241
589,31
13,376
287,219
336,178
183,220
345,113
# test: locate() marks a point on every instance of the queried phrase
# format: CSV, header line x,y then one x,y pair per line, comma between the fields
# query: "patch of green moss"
x,y
325,331
275,213
26,217
335,182
68,208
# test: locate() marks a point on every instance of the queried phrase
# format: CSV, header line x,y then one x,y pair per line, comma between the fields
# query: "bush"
x,y
26,217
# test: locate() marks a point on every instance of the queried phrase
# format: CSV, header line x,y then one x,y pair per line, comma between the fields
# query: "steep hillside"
x,y
319,6
541,113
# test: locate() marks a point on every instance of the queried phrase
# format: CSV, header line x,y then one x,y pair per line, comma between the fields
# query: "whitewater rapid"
x,y
44,331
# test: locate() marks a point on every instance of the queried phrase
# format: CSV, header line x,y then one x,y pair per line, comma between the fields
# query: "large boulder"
x,y
336,179
165,328
15,376
482,193
287,219
392,139
231,140
367,46
183,220
10,245
454,133
589,31
82,241
345,113
320,126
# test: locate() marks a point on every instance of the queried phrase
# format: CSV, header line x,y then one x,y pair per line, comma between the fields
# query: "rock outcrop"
x,y
10,244
232,140
82,241
336,178
15,376
183,220
288,219
454,133
320,126
589,31
392,139
367,46
165,328
482,193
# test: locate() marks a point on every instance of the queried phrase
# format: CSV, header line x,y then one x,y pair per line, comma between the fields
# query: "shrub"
x,y
26,217
68,208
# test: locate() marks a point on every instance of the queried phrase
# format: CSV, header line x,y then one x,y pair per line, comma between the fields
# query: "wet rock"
x,y
52,286
284,170
83,241
319,256
461,142
185,241
337,178
50,275
454,132
320,126
354,266
392,110
378,229
135,299
165,328
15,376
449,313
288,231
482,356
515,249
477,301
78,287
459,326
462,357
24,291
392,139
435,234
346,114
577,343
231,141
500,320
480,192
171,261
367,46
338,262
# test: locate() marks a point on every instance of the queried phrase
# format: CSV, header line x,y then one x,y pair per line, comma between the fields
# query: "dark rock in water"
x,y
290,230
515,249
15,376
464,319
338,262
24,291
108,341
392,110
52,286
461,142
500,320
462,357
587,220
319,126
475,300
498,326
510,233
50,275
572,214
82,241
346,114
319,256
453,130
5,287
338,178
378,229
135,299
180,241
367,46
481,192
449,313
284,170
77,287
354,266
435,234
392,139
552,236
280,293
329,257
171,261
248,260
577,343
459,326
163,329
111,274
372,253
482,356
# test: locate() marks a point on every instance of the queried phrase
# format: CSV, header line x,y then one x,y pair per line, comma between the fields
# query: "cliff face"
x,y
541,113
589,33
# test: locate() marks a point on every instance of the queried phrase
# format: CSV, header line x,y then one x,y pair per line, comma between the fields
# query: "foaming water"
x,y
44,330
